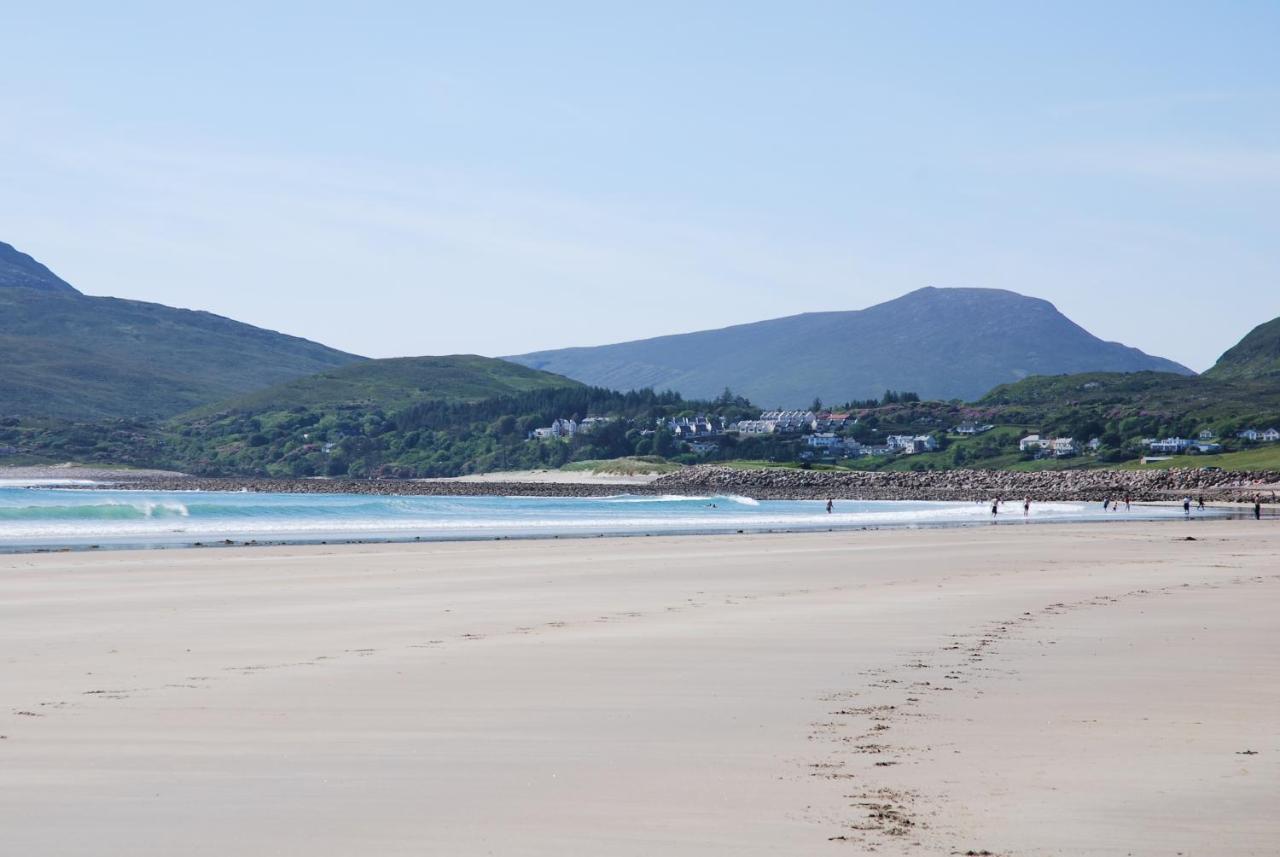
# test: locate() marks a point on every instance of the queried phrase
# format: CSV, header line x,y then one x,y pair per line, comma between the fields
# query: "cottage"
x,y
972,429
1206,434
1031,443
1252,435
1271,435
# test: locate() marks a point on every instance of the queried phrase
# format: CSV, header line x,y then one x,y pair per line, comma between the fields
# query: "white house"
x,y
1094,444
1064,447
558,429
1206,447
1171,445
900,442
1271,435
972,429
824,440
1249,434
1206,434
1031,443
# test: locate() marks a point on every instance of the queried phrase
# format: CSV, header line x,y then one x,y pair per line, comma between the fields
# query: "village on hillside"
x,y
820,435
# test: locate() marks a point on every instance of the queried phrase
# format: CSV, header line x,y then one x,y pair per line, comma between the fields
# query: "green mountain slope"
x,y
1255,357
68,355
393,384
940,343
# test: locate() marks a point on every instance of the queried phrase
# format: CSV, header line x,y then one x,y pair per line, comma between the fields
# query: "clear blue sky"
x,y
399,179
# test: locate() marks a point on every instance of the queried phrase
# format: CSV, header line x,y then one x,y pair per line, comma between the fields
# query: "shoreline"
x,y
1011,519
780,484
1075,690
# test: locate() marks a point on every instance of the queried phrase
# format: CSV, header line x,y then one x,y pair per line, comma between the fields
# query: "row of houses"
x,y
1270,435
793,422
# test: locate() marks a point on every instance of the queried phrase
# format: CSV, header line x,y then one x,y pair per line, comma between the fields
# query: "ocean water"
x,y
52,515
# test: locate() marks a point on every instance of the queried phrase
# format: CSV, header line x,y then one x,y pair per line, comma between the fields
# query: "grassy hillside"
x,y
66,355
1254,358
1197,399
393,384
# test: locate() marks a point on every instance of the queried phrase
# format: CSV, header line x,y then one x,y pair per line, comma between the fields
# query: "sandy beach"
x,y
1101,689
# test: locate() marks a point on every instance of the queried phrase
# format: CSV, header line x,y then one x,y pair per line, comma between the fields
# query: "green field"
x,y
1261,458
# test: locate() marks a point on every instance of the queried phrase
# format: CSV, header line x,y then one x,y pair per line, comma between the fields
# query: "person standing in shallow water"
x,y
995,506
1026,507
1186,506
1257,508
830,505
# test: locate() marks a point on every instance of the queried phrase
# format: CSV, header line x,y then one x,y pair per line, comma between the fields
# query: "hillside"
x,y
19,270
1256,357
1179,404
68,355
393,384
940,343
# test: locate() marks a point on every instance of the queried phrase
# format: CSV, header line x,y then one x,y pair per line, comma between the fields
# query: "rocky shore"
x,y
403,487
784,484
1047,485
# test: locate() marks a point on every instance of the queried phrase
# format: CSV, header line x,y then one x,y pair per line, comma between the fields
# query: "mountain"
x,y
940,343
394,383
68,355
1256,357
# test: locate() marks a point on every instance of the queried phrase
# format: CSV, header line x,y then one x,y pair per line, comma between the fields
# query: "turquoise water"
x,y
33,516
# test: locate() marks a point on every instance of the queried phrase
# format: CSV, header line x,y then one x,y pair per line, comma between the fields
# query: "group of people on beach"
x,y
1108,504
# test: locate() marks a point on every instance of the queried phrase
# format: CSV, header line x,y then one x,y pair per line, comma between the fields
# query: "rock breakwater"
x,y
1045,485
788,484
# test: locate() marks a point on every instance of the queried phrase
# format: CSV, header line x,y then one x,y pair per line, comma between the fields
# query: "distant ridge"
x,y
71,356
941,343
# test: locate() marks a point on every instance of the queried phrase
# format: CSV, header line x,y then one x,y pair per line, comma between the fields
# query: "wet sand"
x,y
1093,689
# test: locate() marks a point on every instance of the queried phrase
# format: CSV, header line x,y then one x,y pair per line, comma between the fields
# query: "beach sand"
x,y
1039,690
554,477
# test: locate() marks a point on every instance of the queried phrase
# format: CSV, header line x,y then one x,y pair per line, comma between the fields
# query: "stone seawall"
x,y
785,484
1047,485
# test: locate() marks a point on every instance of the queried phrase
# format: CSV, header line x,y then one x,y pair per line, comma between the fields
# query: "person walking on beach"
x,y
1106,504
1126,502
995,506
1186,506
1257,508
830,506
1200,503
1026,507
